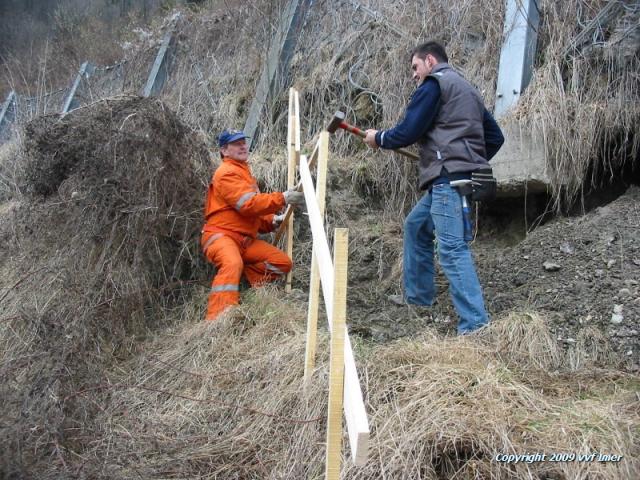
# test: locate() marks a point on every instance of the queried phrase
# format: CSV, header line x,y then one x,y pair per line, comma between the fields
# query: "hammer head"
x,y
338,118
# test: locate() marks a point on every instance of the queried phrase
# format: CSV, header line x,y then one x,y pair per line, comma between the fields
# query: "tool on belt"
x,y
480,187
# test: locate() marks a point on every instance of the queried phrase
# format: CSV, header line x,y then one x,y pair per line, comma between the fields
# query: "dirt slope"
x,y
591,279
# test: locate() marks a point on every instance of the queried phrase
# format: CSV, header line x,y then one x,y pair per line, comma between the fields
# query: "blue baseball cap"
x,y
228,136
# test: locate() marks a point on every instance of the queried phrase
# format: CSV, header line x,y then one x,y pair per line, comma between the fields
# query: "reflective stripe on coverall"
x,y
260,262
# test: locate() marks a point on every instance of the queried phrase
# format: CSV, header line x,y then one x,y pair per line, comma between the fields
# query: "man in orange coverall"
x,y
235,211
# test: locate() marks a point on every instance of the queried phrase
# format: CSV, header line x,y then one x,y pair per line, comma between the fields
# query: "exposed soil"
x,y
591,279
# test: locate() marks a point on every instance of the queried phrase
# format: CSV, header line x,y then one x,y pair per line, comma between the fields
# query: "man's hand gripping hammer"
x,y
338,122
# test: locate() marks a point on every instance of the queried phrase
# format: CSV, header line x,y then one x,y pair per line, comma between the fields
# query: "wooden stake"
x,y
294,154
336,369
289,211
314,282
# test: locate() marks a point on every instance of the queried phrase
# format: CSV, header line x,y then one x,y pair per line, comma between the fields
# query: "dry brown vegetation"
x,y
94,254
108,371
224,400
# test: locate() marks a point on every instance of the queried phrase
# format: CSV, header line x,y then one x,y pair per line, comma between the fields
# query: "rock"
x,y
636,261
630,282
616,316
624,292
519,280
551,267
565,247
626,332
611,263
599,272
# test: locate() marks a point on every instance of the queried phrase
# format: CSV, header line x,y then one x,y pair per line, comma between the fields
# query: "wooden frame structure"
x,y
330,273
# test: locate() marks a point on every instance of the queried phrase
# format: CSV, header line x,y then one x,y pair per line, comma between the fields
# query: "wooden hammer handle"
x,y
360,133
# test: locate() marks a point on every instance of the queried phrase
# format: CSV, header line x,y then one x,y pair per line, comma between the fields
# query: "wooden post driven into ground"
x,y
354,411
293,154
336,362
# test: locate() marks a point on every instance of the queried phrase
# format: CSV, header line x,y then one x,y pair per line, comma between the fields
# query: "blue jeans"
x,y
438,214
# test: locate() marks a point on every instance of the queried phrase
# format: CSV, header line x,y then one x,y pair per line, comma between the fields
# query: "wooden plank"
x,y
296,113
289,211
336,361
354,411
314,283
293,134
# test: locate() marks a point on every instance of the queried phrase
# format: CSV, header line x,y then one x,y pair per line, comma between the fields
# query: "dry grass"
x,y
94,256
224,400
584,100
110,372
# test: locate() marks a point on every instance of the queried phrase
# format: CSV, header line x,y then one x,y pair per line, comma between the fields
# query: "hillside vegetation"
x,y
108,369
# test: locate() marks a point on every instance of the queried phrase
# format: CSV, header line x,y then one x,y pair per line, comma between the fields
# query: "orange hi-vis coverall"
x,y
235,211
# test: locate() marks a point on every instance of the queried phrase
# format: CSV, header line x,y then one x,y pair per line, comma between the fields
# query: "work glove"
x,y
293,197
277,220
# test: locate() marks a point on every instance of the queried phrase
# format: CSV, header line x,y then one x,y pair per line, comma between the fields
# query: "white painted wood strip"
x,y
355,413
321,153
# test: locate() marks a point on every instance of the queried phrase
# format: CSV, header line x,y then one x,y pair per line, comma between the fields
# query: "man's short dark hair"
x,y
430,48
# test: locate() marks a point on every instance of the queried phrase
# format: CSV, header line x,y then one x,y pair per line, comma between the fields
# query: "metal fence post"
x,y
86,70
278,57
7,115
160,68
518,52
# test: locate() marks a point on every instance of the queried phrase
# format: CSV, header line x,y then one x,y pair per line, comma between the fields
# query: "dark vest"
x,y
456,138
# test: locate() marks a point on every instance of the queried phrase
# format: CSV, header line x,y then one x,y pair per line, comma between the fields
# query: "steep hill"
x,y
109,371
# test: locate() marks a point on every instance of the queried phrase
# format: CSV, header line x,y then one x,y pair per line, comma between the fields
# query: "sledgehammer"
x,y
338,122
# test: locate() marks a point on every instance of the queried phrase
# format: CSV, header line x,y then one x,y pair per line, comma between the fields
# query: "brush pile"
x,y
91,259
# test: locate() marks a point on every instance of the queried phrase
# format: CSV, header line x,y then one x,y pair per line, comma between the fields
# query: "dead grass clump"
x,y
93,258
524,338
592,349
585,94
446,408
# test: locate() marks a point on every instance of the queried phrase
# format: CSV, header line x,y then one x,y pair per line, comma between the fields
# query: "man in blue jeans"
x,y
456,136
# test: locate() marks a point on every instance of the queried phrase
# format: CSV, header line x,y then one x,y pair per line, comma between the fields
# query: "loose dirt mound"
x,y
582,272
90,259
592,280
